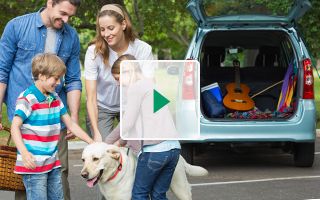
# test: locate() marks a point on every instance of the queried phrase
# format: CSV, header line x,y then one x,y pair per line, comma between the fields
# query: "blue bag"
x,y
212,107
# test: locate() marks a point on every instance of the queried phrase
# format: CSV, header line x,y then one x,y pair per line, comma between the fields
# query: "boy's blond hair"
x,y
47,64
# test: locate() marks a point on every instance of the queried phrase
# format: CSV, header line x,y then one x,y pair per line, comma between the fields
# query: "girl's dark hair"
x,y
116,65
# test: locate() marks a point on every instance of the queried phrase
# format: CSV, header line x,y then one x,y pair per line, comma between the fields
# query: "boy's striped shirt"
x,y
40,130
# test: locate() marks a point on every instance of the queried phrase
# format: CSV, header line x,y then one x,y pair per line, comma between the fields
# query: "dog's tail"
x,y
193,170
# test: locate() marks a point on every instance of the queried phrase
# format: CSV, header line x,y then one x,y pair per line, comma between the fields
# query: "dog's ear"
x,y
115,154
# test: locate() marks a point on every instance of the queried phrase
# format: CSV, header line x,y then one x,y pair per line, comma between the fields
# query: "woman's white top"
x,y
108,90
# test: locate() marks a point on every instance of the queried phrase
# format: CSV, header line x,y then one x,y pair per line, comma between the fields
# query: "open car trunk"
x,y
268,66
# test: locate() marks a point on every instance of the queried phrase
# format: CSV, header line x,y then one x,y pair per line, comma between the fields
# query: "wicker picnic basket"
x,y
8,155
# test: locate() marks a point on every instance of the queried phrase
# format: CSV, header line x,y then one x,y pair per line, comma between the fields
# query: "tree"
x,y
166,25
11,9
310,27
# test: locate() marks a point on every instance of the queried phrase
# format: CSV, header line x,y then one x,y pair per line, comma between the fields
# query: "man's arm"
x,y
73,80
8,49
3,88
73,100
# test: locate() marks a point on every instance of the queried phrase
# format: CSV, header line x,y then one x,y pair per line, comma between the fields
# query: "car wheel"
x,y
187,152
303,154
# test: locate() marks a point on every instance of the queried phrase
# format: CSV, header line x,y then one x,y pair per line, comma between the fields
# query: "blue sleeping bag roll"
x,y
211,105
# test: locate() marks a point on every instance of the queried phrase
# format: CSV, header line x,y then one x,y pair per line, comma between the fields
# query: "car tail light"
x,y
308,81
188,81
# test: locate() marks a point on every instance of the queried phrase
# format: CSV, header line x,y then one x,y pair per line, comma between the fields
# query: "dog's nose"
x,y
84,174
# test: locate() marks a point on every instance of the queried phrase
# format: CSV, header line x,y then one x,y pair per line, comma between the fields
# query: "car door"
x,y
226,12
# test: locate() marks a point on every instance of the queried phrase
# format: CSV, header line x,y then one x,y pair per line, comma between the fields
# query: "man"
x,y
24,37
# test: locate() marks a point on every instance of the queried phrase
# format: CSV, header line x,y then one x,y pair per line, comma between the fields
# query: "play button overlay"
x,y
159,101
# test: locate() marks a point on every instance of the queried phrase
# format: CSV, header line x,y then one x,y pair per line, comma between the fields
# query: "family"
x,y
40,83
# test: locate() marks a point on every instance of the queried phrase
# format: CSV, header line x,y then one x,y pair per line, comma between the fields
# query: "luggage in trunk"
x,y
267,67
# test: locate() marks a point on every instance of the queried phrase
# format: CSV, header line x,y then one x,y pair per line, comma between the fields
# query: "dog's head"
x,y
100,160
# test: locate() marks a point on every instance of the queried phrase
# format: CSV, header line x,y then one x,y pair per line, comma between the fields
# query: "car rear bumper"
x,y
301,127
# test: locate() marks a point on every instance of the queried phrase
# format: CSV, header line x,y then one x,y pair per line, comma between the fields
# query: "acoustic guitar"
x,y
237,97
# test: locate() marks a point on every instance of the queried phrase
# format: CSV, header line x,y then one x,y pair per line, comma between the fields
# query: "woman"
x,y
114,37
156,159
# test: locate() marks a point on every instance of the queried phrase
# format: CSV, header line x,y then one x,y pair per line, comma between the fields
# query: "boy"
x,y
36,129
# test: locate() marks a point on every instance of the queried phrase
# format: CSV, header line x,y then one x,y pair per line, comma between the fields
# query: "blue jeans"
x,y
153,174
46,186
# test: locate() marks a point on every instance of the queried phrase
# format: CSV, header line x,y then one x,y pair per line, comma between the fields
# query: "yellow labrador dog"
x,y
113,168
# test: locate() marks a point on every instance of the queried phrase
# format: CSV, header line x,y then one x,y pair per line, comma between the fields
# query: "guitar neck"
x,y
237,77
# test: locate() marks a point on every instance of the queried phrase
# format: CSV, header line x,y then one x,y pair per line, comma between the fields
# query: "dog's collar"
x,y
118,169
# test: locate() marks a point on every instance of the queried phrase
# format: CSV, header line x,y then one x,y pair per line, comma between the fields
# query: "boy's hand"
x,y
28,160
69,135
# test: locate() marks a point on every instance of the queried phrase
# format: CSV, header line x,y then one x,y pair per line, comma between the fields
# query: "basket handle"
x,y
7,129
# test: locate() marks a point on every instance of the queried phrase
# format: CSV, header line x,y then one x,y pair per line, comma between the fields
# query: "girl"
x,y
156,159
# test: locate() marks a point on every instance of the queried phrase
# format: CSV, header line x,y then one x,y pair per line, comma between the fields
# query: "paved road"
x,y
255,174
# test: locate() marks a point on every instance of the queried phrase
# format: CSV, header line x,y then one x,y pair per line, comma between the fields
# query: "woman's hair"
x,y
101,44
47,64
116,65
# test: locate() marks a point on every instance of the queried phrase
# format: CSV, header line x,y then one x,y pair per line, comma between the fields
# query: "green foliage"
x,y
85,36
11,9
167,25
310,28
308,25
231,7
